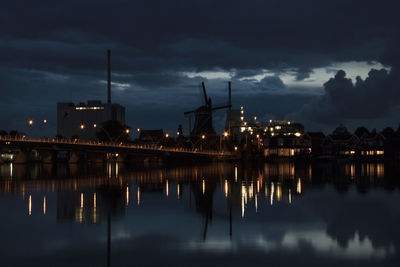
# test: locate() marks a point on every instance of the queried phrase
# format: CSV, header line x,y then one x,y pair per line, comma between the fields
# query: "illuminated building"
x,y
371,145
235,121
286,128
83,120
287,146
340,143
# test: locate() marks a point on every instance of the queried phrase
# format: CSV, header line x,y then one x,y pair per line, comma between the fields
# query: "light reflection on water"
x,y
341,213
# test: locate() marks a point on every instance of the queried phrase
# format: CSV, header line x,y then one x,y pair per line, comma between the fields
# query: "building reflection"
x,y
91,206
241,186
93,195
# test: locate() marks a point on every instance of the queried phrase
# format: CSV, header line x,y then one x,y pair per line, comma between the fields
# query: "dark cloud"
x,y
343,100
58,48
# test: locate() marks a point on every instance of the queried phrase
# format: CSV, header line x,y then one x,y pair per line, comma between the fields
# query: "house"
x,y
340,143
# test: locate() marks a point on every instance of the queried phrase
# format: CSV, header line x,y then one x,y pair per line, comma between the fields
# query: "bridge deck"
x,y
67,144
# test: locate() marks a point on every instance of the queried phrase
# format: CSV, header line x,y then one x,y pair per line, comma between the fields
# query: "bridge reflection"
x,y
84,193
236,196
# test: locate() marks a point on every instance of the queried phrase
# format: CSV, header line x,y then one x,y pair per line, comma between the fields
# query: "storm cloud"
x,y
56,52
344,100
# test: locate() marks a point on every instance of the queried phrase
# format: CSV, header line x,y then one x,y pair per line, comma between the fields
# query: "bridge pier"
x,y
21,157
47,156
34,155
73,158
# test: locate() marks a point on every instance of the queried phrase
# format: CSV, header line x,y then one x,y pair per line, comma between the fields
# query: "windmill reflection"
x,y
102,195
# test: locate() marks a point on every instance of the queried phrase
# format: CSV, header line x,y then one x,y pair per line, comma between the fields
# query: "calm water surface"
x,y
208,215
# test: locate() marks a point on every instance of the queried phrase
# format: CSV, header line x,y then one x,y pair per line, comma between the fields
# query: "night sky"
x,y
321,62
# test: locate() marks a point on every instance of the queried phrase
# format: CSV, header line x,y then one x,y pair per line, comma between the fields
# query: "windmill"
x,y
203,116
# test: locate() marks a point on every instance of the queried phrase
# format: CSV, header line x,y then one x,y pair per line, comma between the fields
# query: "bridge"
x,y
50,150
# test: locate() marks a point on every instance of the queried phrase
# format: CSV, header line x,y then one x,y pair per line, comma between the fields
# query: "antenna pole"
x,y
108,76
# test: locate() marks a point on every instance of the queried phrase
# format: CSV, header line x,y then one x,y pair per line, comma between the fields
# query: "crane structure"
x,y
203,115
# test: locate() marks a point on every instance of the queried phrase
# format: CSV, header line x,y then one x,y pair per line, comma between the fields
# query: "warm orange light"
x,y
44,205
226,134
82,126
30,205
236,148
127,195
30,122
138,129
203,137
127,131
95,125
166,135
44,121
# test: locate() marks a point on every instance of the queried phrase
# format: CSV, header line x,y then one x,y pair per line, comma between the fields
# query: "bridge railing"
x,y
110,145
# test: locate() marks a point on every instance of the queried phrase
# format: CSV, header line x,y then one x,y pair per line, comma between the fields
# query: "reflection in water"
x,y
166,188
264,208
30,205
127,196
138,196
299,186
44,205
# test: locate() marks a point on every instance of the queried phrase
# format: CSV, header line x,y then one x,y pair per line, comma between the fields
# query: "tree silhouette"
x,y
388,132
14,133
360,131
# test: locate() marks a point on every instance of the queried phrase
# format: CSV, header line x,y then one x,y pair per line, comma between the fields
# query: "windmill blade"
x,y
221,107
204,93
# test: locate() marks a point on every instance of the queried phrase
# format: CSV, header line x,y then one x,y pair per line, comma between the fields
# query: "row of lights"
x,y
82,127
31,122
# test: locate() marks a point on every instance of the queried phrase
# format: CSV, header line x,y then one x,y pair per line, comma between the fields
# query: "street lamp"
x,y
30,122
224,135
44,121
82,126
166,135
203,136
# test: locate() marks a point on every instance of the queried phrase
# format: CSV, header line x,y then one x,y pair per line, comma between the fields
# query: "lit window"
x,y
88,108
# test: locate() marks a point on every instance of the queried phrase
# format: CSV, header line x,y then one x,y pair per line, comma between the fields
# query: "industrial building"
x,y
83,121
234,121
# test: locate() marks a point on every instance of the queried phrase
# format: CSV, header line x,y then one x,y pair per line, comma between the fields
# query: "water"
x,y
209,215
